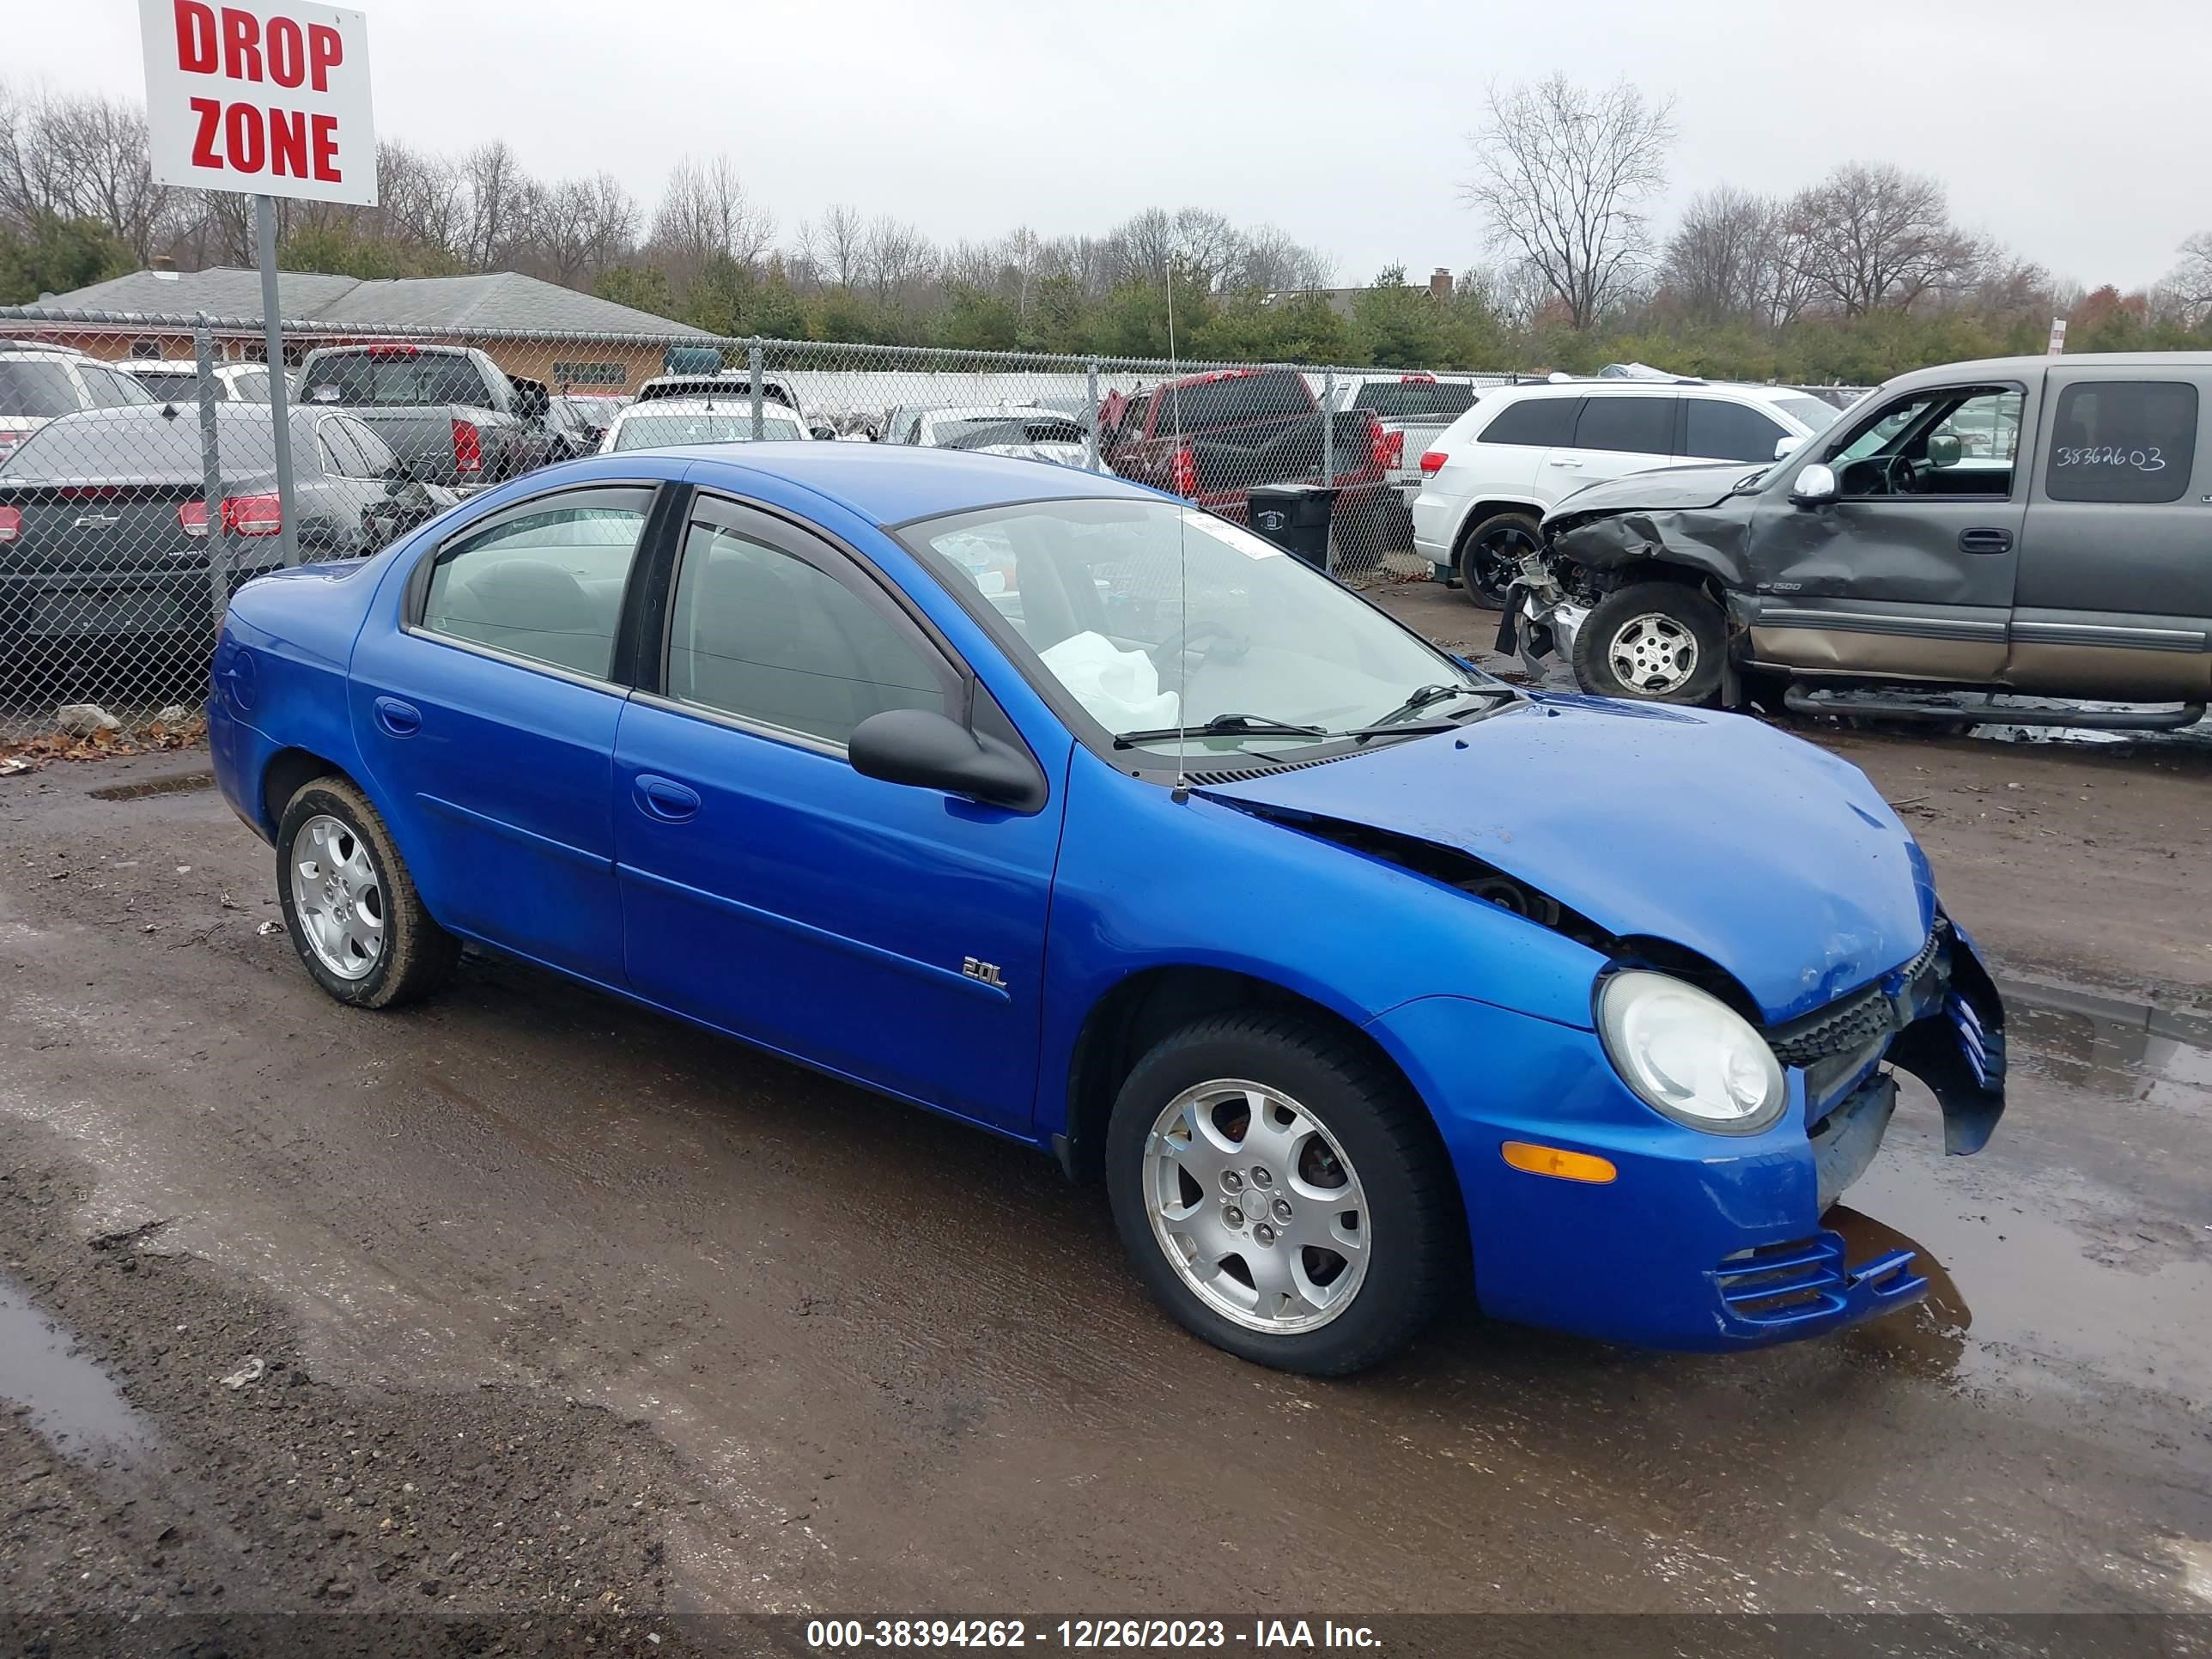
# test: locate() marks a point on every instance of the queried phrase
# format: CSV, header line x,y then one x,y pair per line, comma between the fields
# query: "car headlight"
x,y
1688,1055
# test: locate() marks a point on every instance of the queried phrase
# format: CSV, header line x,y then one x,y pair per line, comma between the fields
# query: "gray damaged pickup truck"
x,y
2022,525
453,417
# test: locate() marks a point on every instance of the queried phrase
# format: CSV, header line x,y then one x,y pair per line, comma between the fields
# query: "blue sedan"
x,y
1364,981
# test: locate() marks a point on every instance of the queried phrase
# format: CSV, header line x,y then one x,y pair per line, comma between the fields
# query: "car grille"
x,y
1854,1021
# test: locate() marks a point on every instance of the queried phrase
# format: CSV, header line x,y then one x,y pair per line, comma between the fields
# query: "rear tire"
x,y
1652,642
1490,556
349,905
1327,1228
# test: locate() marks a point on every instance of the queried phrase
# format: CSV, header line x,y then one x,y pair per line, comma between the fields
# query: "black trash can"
x,y
1296,518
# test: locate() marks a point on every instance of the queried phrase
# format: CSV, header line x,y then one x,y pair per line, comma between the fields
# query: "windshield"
x,y
1150,615
982,435
660,431
1809,412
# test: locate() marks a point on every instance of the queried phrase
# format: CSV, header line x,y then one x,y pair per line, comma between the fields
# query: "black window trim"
x,y
1834,442
415,598
650,629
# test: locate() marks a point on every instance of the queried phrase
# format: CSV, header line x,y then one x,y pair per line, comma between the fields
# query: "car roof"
x,y
2021,369
994,411
892,483
1621,388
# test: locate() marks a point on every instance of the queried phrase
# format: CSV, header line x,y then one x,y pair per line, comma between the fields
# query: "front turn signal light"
x,y
1559,1163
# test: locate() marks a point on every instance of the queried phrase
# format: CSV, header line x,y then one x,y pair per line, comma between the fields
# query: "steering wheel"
x,y
1179,644
1898,477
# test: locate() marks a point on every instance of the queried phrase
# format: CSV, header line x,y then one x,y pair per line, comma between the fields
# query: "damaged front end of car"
x,y
1689,525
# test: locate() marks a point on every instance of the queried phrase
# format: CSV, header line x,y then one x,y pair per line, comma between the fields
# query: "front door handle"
x,y
666,798
1983,539
401,720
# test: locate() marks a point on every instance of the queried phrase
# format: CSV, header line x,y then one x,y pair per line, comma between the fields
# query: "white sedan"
x,y
1025,432
668,422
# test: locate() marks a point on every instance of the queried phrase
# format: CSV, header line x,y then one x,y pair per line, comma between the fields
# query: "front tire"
x,y
350,904
1282,1194
1652,642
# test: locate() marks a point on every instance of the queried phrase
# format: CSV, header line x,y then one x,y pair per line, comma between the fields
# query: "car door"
x,y
1615,434
2115,591
487,719
1506,461
890,934
1909,571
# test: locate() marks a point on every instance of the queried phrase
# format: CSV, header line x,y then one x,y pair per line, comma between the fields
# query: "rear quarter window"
x,y
1549,421
2122,440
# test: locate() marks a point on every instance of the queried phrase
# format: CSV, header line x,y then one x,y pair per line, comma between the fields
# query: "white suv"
x,y
40,383
1521,450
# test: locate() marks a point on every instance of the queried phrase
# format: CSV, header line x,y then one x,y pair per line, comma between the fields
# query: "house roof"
x,y
504,299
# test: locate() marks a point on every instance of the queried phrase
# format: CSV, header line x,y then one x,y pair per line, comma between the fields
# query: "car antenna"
x,y
1180,793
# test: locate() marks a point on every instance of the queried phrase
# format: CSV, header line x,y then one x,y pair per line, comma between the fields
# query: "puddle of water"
x,y
184,785
72,1403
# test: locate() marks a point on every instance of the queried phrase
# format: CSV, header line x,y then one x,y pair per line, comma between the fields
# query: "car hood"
x,y
1669,489
1767,856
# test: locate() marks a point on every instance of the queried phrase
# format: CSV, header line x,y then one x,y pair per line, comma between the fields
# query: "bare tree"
x,y
844,239
1274,262
582,227
2188,285
895,255
1562,175
704,211
422,199
81,158
1720,261
1876,238
500,197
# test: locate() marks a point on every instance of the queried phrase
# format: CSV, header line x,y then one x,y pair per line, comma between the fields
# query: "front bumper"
x,y
1700,1243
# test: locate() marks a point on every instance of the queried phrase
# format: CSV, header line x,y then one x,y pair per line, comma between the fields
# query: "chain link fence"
x,y
139,459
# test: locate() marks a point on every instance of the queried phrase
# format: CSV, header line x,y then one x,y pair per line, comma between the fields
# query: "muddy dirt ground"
x,y
527,1320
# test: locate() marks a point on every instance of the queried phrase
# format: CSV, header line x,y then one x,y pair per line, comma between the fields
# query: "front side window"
x,y
545,582
2122,440
1954,440
1716,430
1148,614
766,636
1546,422
1632,425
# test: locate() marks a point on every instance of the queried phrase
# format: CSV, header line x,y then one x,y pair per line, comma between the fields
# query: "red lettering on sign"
x,y
195,38
209,113
327,149
325,51
242,48
287,143
287,52
242,136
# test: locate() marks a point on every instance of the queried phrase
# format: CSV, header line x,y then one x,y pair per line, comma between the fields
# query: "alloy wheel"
x,y
1653,654
1256,1206
338,896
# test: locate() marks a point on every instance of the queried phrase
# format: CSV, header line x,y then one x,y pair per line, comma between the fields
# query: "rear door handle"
x,y
1985,540
666,798
1566,460
401,720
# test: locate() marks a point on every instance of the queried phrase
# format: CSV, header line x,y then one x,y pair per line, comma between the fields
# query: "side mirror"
x,y
1815,486
1944,450
531,400
823,434
923,748
1785,448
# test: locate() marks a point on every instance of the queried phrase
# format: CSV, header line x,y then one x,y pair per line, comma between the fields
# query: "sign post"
x,y
267,98
2057,337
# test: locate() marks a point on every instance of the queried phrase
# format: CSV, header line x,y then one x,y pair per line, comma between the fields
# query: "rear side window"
x,y
1237,398
39,390
1549,421
1713,429
760,634
545,582
1408,400
111,390
1639,426
2122,440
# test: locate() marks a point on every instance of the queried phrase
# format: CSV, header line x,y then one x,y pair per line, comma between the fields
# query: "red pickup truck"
x,y
1212,437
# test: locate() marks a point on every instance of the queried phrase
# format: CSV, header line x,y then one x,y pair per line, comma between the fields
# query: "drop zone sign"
x,y
268,99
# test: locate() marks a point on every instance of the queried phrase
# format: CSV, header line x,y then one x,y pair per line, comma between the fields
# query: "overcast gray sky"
x,y
2076,134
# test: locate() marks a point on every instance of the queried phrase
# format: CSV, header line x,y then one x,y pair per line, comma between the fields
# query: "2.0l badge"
x,y
987,972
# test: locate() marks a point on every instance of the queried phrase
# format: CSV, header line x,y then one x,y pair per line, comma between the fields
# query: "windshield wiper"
x,y
1222,726
1425,697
